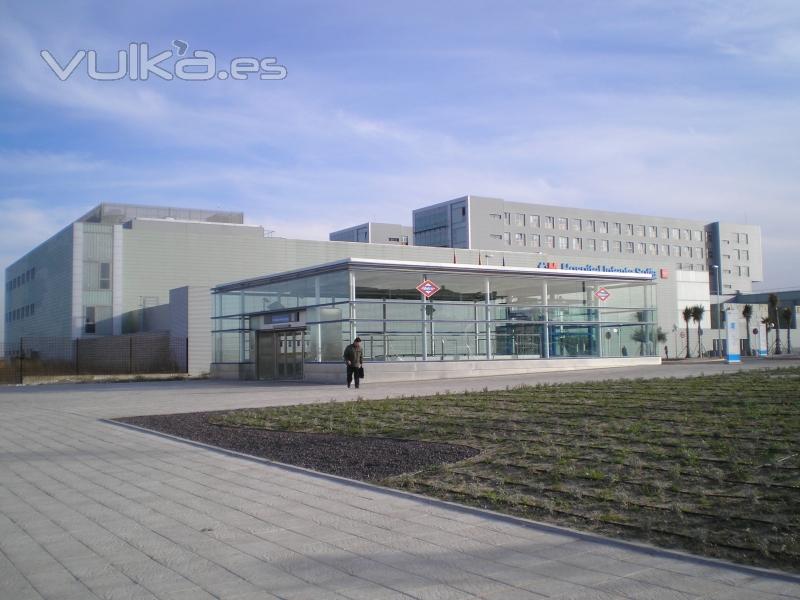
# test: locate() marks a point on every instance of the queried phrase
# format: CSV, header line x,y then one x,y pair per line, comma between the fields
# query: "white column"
x,y
116,280
546,330
488,315
78,315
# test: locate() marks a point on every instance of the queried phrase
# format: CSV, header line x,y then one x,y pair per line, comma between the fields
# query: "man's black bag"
x,y
361,372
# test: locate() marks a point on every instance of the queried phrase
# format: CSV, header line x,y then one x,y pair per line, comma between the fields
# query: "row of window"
x,y
690,267
595,226
403,239
534,240
19,280
20,313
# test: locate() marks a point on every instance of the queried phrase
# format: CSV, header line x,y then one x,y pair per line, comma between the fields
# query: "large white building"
x,y
111,272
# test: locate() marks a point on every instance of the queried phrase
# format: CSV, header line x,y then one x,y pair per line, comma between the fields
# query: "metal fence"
x,y
142,353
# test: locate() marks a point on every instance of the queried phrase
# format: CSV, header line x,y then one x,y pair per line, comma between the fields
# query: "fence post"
x,y
187,355
21,350
130,355
77,356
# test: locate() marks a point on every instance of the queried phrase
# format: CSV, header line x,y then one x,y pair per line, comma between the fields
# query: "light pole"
x,y
719,311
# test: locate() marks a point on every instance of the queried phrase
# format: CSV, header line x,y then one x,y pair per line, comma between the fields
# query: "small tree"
x,y
786,313
767,322
697,312
747,313
687,316
773,313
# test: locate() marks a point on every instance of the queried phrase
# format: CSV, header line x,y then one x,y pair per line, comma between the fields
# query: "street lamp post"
x,y
719,311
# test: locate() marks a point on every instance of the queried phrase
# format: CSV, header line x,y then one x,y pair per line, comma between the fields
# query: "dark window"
x,y
90,323
33,307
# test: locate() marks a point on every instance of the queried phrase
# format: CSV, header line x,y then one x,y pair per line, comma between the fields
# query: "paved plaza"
x,y
89,509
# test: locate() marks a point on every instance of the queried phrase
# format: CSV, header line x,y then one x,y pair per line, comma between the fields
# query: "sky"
x,y
680,109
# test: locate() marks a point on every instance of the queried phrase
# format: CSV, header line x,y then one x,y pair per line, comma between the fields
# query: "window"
x,y
549,222
90,325
519,219
640,230
676,251
589,225
394,239
628,247
577,244
591,245
33,306
604,245
652,249
577,224
496,216
404,240
640,248
629,229
697,235
687,252
549,241
686,234
618,247
507,217
664,233
533,240
745,239
664,249
745,255
507,236
495,236
519,239
563,242
533,220
105,276
603,226
699,267
698,253
618,228
563,223
675,233
746,270
652,231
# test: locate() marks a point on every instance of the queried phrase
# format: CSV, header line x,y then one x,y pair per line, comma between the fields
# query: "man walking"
x,y
354,359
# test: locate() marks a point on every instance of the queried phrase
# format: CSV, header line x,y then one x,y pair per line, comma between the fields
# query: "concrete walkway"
x,y
93,510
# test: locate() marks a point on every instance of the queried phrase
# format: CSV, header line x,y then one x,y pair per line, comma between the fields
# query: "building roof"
x,y
365,263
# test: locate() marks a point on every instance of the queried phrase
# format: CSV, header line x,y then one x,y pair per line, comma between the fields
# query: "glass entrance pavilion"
x,y
289,325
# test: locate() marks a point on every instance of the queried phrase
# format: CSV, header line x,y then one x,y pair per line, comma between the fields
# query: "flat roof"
x,y
403,265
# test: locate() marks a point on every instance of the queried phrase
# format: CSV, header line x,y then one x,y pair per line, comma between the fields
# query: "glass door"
x,y
280,354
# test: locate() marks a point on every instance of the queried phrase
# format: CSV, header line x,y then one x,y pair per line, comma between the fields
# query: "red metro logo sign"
x,y
427,288
602,294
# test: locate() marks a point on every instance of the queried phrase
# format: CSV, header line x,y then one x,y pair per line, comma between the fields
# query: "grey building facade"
x,y
582,234
375,233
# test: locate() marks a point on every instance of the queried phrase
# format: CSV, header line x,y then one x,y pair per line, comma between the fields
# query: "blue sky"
x,y
683,108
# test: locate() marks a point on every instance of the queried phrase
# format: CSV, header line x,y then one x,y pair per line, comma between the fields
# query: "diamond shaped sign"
x,y
602,294
427,288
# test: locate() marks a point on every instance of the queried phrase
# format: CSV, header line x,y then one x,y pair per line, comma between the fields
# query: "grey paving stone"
x,y
136,515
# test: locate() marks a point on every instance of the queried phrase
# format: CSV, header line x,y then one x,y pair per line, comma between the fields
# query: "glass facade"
x,y
474,316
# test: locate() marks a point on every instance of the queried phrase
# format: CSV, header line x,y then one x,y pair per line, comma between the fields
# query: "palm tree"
x,y
773,310
787,313
747,313
767,322
687,316
697,312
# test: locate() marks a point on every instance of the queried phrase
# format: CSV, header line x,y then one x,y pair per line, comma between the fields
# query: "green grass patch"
x,y
708,464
